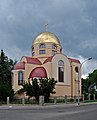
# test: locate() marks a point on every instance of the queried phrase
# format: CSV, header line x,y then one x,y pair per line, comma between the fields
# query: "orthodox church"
x,y
48,61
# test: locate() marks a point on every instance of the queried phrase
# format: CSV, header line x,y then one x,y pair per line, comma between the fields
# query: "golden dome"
x,y
46,37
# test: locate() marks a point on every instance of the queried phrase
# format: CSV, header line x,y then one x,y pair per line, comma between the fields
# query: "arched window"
x,y
61,71
42,45
54,46
20,78
33,53
32,48
60,63
76,69
76,73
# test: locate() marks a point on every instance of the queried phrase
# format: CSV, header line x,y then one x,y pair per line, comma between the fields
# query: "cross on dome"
x,y
46,26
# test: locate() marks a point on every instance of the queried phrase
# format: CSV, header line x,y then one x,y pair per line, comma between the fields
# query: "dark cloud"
x,y
73,21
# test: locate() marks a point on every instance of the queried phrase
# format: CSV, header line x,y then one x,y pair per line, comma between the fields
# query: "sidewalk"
x,y
47,106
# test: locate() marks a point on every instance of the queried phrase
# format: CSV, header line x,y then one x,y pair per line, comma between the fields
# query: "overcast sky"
x,y
74,22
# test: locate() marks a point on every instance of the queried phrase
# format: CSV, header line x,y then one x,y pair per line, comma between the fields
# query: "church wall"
x,y
58,49
62,90
67,70
48,50
74,79
42,59
15,85
48,67
36,50
28,69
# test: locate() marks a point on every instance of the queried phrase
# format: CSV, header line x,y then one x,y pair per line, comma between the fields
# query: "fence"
x,y
53,100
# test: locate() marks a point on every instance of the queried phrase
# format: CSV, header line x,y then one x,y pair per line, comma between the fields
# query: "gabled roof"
x,y
74,60
48,60
70,59
20,65
33,60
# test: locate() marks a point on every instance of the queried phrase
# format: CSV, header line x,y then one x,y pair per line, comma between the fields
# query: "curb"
x,y
38,107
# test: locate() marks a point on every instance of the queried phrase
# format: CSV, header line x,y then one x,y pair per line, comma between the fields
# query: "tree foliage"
x,y
6,66
5,91
89,82
38,87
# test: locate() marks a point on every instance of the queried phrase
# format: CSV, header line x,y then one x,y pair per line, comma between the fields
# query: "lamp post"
x,y
79,80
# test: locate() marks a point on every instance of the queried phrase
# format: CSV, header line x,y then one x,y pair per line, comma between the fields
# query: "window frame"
x,y
20,77
42,45
61,71
42,52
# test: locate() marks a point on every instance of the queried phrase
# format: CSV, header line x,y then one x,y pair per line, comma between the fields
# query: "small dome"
x,y
46,37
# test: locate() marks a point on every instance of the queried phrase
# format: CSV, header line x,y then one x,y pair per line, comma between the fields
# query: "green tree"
x,y
85,86
6,66
89,82
93,77
5,91
38,87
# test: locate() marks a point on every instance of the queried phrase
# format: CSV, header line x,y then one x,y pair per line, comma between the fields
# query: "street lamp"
x,y
79,80
85,61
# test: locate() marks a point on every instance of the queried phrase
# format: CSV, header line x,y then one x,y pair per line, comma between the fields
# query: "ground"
x,y
61,112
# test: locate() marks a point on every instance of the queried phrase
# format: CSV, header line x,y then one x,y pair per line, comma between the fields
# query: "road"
x,y
83,112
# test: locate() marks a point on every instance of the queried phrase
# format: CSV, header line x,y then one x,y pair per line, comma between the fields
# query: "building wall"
x,y
28,69
15,85
48,50
75,77
48,67
67,70
62,90
70,84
